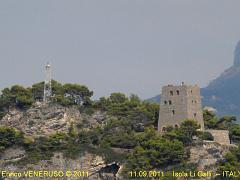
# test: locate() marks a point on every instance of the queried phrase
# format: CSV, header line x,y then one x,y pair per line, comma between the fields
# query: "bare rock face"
x,y
91,166
11,155
206,155
42,119
96,119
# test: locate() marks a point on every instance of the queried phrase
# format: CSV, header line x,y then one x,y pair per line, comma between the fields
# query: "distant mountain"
x,y
223,93
155,99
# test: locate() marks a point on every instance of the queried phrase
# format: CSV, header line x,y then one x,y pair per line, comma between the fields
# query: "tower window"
x,y
195,114
171,93
192,101
196,102
191,91
165,102
169,102
173,112
177,92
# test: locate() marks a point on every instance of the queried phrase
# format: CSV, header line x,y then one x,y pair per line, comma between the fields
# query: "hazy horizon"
x,y
129,46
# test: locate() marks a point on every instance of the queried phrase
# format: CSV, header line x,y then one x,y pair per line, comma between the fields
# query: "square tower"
x,y
179,103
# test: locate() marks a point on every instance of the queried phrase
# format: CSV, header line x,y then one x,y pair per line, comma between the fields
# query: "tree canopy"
x,y
211,121
66,94
185,133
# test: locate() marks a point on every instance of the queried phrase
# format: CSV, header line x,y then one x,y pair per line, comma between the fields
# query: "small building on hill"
x,y
179,103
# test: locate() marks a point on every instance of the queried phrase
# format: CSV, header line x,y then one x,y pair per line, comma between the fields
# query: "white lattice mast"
x,y
47,83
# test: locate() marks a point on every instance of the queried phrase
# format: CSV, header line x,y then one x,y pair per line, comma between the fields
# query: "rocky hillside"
x,y
88,166
104,139
47,120
206,155
64,134
42,120
202,157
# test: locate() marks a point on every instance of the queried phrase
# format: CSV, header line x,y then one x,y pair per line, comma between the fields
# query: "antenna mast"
x,y
47,83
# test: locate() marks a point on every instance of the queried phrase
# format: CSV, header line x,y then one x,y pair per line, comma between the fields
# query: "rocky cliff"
x,y
206,155
88,166
42,120
45,120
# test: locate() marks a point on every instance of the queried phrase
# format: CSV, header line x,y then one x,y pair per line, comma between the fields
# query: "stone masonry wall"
x,y
179,103
220,136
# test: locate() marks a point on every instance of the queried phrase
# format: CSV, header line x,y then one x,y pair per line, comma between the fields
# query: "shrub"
x,y
10,136
207,136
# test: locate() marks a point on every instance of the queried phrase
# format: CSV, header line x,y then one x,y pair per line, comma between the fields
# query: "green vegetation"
x,y
130,115
223,123
210,119
16,96
127,135
207,136
9,137
184,133
132,111
153,151
231,162
212,122
71,144
234,133
72,94
66,94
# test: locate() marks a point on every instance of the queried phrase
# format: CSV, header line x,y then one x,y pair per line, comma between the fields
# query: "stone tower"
x,y
179,103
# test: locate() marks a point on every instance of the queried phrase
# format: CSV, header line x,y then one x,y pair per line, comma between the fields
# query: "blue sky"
x,y
132,46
